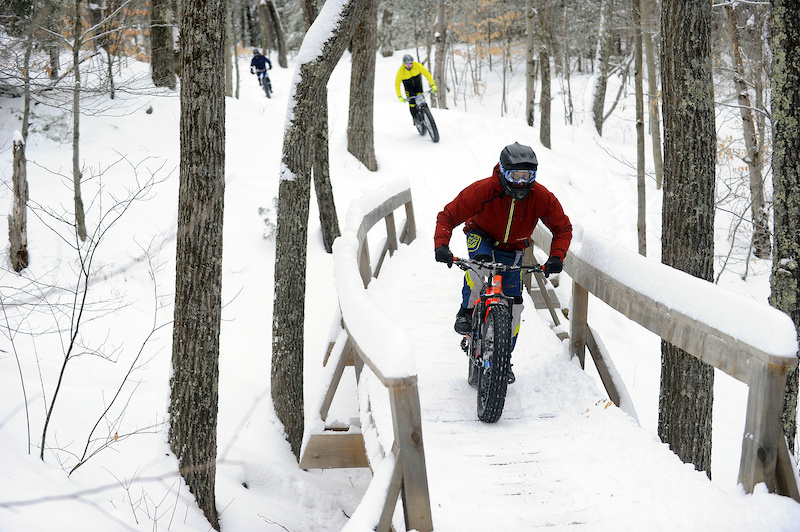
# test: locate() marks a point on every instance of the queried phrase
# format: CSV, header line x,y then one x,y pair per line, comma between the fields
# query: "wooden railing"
x,y
361,335
756,344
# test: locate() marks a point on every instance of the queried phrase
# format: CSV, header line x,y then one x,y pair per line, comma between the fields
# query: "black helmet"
x,y
408,58
256,52
518,165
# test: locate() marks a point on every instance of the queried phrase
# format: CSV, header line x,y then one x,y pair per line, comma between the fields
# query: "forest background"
x,y
47,45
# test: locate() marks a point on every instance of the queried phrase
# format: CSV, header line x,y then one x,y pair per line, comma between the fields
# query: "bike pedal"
x,y
465,344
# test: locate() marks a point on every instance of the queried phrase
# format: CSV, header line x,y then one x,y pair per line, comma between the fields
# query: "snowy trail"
x,y
560,457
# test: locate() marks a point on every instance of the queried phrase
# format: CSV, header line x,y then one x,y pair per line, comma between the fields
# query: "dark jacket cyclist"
x,y
259,64
499,214
410,75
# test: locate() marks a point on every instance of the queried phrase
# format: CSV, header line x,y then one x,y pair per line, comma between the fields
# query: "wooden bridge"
x,y
417,413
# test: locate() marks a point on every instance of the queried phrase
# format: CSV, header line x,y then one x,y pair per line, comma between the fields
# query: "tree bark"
x,y
360,132
198,277
544,66
604,45
387,30
80,217
18,220
652,91
439,72
162,54
761,236
292,231
785,279
277,30
686,397
641,218
530,64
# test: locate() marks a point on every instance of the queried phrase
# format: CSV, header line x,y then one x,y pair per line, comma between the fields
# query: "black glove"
x,y
251,71
553,265
443,255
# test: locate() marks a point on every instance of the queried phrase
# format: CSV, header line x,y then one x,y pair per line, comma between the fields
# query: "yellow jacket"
x,y
416,70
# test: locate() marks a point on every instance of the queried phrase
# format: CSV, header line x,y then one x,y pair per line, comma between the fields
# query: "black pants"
x,y
413,87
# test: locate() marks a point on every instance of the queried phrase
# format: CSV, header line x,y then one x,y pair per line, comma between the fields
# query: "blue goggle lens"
x,y
520,177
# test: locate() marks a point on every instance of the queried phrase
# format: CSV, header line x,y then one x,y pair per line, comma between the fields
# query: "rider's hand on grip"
x,y
553,265
433,88
443,254
402,100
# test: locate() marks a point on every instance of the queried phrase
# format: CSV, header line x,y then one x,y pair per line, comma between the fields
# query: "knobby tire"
x,y
433,131
496,350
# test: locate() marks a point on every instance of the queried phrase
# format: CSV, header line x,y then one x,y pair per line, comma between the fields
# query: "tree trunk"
x,y
387,30
604,45
761,236
162,54
641,218
360,134
652,91
80,218
292,231
439,71
277,30
544,65
267,39
530,64
568,106
785,279
198,277
687,384
18,220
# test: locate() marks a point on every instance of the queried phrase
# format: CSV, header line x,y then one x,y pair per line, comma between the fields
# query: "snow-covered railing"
x,y
363,334
750,341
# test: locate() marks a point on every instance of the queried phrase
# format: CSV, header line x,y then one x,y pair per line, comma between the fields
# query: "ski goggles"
x,y
520,177
408,65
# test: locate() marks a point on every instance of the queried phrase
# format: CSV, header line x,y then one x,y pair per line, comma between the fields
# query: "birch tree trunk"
x,y
687,384
18,219
785,279
293,200
198,275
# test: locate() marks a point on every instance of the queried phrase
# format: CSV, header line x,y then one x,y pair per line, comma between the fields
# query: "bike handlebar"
x,y
471,264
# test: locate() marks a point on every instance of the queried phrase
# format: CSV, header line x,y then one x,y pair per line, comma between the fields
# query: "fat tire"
x,y
433,131
267,87
496,351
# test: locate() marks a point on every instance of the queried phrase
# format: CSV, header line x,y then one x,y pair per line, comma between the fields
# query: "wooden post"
x,y
363,263
762,427
406,416
578,322
391,234
411,225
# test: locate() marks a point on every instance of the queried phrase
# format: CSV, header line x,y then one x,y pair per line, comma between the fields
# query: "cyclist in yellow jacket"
x,y
410,74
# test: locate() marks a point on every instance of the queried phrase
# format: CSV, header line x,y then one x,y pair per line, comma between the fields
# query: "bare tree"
x,y
530,63
785,279
687,384
652,89
198,278
544,66
439,72
162,49
291,238
761,235
641,218
360,131
601,68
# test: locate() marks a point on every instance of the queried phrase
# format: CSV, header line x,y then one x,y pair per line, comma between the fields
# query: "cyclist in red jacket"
x,y
499,214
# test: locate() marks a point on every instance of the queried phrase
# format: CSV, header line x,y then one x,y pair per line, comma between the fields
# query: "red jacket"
x,y
486,208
